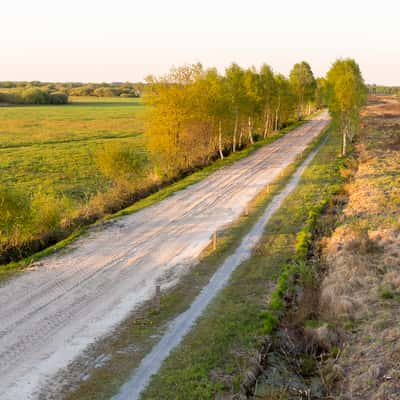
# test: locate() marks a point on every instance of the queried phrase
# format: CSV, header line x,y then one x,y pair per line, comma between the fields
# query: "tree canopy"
x,y
196,114
303,84
346,94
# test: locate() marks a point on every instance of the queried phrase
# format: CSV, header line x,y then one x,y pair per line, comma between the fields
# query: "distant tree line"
x,y
33,95
115,89
379,90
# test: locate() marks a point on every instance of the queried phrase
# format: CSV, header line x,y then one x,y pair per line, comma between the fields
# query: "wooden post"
x,y
246,210
215,240
157,300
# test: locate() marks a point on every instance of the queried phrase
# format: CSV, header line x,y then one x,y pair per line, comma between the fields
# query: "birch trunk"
x,y
266,126
235,133
250,133
240,137
221,154
277,113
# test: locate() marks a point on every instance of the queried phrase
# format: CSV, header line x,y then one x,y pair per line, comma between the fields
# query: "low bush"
x,y
29,222
58,98
34,95
296,271
123,164
15,210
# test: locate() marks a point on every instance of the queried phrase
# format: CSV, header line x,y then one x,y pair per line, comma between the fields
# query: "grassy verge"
x,y
296,271
213,358
7,270
134,338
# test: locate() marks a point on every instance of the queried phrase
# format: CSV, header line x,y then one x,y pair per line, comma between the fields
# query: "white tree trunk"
x,y
276,119
344,148
250,133
266,126
221,154
235,133
240,137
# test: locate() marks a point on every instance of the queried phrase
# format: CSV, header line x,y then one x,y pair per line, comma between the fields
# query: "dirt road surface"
x,y
50,314
182,324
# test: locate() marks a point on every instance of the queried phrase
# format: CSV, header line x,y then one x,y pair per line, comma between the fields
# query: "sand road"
x,y
50,314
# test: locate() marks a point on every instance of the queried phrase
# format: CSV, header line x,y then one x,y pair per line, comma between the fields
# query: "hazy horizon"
x,y
123,41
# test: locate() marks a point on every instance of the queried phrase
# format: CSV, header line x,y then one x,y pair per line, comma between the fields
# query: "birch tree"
x,y
303,83
269,97
237,93
347,94
254,97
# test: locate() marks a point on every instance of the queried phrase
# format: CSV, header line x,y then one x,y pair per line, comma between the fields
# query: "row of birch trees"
x,y
197,114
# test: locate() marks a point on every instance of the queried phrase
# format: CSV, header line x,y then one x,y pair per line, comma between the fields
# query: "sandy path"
x,y
182,324
49,315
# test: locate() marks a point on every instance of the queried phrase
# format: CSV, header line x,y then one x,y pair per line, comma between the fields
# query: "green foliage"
x,y
115,89
303,83
269,322
25,218
346,94
197,114
298,270
122,163
386,292
321,93
15,209
34,95
58,98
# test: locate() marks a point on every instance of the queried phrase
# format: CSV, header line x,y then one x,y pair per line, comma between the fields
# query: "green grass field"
x,y
51,148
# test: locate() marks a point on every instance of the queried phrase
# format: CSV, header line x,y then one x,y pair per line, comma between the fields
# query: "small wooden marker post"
x,y
157,301
215,239
246,210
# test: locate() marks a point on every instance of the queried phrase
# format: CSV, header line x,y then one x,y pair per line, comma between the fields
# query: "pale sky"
x,y
125,40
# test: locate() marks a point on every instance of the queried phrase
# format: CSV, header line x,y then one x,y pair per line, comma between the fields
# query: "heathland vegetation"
x,y
66,166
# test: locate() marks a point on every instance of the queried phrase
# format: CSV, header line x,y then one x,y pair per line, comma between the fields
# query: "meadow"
x,y
51,179
52,148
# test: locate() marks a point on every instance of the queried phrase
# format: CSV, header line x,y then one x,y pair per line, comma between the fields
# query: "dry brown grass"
x,y
361,289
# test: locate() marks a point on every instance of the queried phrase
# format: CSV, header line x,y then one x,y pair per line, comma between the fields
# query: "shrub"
x,y
269,322
34,95
58,98
106,92
10,98
86,90
123,164
47,214
15,215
